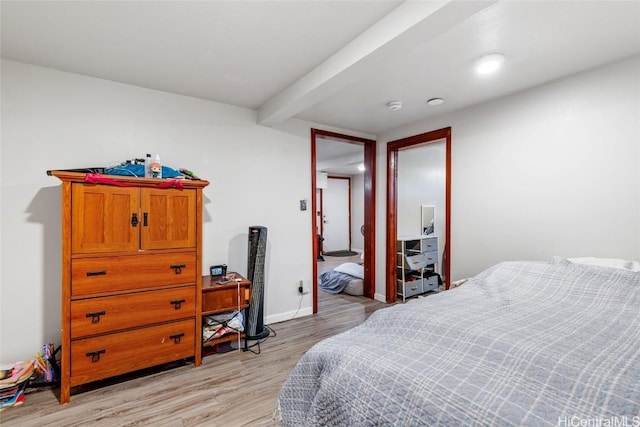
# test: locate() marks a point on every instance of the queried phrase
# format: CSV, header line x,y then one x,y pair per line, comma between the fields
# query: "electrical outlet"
x,y
304,287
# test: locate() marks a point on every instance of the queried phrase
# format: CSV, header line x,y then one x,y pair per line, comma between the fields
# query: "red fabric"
x,y
171,183
96,178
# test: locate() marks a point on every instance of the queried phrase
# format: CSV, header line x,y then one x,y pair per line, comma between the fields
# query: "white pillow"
x,y
608,262
352,269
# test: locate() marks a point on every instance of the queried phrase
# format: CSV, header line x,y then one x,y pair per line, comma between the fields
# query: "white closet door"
x,y
335,209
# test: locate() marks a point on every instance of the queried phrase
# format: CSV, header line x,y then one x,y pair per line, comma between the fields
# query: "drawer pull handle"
x,y
95,355
134,219
145,219
176,338
97,273
95,316
177,303
177,268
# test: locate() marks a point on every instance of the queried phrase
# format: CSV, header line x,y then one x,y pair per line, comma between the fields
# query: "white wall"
x,y
525,170
554,170
56,120
421,181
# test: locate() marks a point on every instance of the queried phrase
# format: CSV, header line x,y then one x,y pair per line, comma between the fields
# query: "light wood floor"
x,y
231,389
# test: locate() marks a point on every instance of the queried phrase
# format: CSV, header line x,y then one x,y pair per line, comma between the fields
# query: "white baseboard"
x,y
380,297
281,317
305,311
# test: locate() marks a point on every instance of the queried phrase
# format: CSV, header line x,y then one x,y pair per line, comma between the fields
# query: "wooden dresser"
x,y
131,275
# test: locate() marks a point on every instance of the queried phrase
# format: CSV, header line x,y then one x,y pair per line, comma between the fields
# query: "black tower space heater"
x,y
255,273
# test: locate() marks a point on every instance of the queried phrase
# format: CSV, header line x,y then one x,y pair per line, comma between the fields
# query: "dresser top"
x,y
415,237
126,180
212,282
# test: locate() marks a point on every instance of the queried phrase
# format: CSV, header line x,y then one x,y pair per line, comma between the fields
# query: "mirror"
x,y
428,220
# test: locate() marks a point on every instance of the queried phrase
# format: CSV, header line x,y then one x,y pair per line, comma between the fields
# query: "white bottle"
x,y
147,166
156,167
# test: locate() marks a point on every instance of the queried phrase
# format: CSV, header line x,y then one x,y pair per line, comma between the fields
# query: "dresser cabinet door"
x,y
105,218
168,218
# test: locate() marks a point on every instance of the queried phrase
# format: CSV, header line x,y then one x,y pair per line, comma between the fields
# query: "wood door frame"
x,y
392,203
369,287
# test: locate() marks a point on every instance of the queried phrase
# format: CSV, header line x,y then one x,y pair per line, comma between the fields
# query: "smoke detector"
x,y
435,101
394,105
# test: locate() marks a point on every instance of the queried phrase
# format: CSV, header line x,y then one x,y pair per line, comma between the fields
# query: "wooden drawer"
x,y
226,298
91,276
114,354
94,316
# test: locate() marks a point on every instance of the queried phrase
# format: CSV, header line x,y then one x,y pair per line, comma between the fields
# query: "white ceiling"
x,y
337,157
330,62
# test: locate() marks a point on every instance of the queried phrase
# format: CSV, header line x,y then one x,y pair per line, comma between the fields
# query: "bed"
x,y
520,344
346,277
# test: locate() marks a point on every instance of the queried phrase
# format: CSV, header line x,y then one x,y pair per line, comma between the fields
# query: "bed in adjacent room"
x,y
346,277
522,343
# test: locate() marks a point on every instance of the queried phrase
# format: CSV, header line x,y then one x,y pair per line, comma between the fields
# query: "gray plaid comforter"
x,y
521,344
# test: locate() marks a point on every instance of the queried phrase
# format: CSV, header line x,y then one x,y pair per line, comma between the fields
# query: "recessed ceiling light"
x,y
489,64
435,101
361,167
394,105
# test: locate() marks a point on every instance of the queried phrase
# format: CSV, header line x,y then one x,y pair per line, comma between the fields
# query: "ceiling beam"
x,y
336,72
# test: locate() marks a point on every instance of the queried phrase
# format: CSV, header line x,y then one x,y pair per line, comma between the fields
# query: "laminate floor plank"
x,y
230,389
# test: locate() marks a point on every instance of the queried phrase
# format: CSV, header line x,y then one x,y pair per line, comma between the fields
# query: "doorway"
x,y
368,228
393,149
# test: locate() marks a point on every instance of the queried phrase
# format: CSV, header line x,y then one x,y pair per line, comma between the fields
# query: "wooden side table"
x,y
220,298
